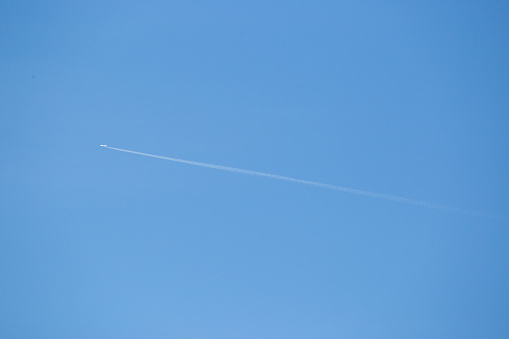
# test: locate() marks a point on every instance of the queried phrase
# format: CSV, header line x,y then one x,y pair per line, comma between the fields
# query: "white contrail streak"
x,y
318,184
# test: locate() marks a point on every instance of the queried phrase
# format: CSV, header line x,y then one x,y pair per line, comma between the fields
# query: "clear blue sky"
x,y
409,99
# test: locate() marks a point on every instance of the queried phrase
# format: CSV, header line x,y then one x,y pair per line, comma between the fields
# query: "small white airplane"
x,y
103,145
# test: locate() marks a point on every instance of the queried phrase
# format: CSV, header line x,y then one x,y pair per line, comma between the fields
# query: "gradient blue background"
x,y
409,99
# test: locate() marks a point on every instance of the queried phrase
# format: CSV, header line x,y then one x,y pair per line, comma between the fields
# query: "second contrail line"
x,y
317,184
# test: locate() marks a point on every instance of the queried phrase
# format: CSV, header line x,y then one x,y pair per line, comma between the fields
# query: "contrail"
x,y
319,184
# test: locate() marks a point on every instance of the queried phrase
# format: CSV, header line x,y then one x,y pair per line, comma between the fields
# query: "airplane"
x,y
103,145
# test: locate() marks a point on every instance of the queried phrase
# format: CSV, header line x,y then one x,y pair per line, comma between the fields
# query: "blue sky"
x,y
397,98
